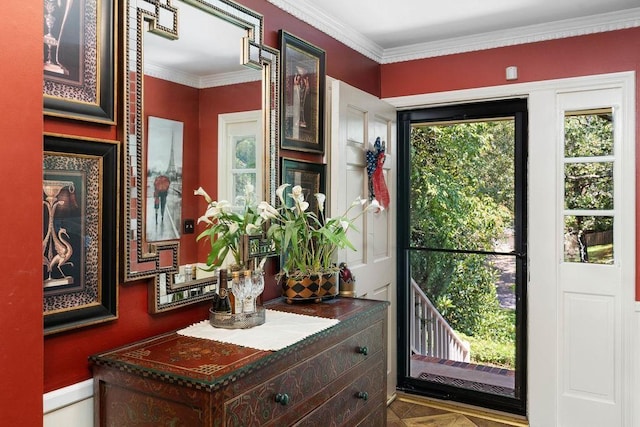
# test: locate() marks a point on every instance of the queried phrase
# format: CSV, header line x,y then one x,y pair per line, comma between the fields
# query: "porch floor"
x,y
482,378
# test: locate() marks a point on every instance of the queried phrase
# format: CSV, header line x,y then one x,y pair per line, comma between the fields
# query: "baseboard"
x,y
70,406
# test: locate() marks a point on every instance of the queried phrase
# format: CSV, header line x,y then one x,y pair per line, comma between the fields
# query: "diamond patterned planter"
x,y
310,288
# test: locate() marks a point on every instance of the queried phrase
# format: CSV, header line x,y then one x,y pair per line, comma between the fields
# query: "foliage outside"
x,y
462,186
462,198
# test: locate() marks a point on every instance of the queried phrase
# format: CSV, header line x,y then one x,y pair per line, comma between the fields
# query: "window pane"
x,y
588,185
589,134
240,181
462,184
588,239
245,152
467,302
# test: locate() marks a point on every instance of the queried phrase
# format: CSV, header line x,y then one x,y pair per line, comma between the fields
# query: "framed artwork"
x,y
79,232
163,206
79,53
303,86
310,176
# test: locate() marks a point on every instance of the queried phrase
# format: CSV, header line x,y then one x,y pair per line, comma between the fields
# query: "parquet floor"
x,y
411,411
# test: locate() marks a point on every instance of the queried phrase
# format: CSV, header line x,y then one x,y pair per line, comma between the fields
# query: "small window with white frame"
x,y
240,154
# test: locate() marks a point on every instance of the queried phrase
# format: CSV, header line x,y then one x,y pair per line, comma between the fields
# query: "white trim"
x,y
635,387
515,36
66,396
510,90
202,82
226,120
541,96
332,26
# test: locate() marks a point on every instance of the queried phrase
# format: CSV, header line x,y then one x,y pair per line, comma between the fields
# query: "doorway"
x,y
462,253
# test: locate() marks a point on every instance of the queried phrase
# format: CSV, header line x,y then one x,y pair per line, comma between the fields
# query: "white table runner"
x,y
279,330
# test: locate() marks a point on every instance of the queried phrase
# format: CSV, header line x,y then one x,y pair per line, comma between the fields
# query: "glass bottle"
x,y
222,303
236,292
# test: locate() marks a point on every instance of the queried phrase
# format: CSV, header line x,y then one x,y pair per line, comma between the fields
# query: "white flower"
x,y
296,192
320,198
204,218
303,206
200,192
224,206
376,206
344,224
359,201
268,210
233,227
280,192
212,210
252,229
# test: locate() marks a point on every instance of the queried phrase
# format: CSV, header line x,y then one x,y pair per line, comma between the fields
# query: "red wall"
x,y
25,365
342,62
177,102
572,57
65,355
21,351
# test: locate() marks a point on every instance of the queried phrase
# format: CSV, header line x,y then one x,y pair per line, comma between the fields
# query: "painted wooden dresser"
x,y
336,377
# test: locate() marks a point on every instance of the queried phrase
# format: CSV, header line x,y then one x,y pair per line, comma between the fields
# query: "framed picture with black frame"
x,y
303,87
79,232
79,59
310,176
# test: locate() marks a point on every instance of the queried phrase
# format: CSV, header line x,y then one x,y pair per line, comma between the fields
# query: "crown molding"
x,y
310,14
329,25
232,78
529,34
191,80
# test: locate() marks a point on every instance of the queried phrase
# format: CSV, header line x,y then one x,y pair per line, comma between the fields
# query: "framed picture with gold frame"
x,y
303,86
79,49
79,232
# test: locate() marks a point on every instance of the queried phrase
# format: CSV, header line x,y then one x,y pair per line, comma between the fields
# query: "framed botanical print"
x,y
79,232
310,176
79,53
303,86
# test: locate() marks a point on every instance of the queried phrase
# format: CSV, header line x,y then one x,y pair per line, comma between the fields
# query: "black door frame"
x,y
517,109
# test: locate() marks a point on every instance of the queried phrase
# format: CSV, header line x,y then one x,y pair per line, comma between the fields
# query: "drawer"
x,y
289,393
375,418
357,398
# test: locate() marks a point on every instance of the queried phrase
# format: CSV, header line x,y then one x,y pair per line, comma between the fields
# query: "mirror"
x,y
188,62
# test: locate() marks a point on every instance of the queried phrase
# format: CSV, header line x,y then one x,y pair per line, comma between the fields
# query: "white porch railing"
x,y
431,335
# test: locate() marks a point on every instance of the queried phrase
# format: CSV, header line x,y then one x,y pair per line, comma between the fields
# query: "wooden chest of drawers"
x,y
333,378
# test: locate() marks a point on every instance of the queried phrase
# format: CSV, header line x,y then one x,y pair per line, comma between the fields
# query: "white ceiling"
x,y
206,53
394,30
384,30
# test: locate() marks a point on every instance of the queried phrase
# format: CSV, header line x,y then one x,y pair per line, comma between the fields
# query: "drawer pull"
x,y
363,350
363,395
282,398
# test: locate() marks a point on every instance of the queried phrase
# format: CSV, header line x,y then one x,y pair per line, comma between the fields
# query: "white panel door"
x,y
357,118
579,346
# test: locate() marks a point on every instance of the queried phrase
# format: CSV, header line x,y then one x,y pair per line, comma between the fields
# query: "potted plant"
x,y
308,242
225,226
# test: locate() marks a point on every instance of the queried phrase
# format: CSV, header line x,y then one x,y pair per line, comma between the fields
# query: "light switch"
x,y
512,73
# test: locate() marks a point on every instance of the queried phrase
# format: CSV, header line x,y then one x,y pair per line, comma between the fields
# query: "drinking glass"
x,y
257,286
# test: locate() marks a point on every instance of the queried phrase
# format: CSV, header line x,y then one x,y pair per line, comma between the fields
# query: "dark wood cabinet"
x,y
336,377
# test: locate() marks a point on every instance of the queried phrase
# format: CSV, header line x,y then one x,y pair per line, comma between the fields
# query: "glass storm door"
x,y
462,253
